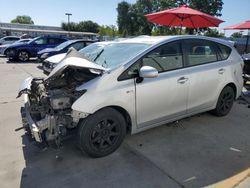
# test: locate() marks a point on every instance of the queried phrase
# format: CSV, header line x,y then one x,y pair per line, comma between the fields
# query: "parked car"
x,y
131,86
9,40
5,46
51,62
25,51
63,48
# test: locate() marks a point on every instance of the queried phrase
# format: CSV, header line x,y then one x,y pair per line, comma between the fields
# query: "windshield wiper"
x,y
98,55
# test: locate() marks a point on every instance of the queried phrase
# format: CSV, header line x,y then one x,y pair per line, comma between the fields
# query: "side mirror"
x,y
148,72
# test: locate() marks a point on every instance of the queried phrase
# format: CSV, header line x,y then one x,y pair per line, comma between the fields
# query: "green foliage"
x,y
105,30
237,35
212,7
213,33
131,20
83,26
23,20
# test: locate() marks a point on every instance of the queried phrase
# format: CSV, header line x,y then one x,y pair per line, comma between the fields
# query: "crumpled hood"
x,y
47,50
56,58
76,62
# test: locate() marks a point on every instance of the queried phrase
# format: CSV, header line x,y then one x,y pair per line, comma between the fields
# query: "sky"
x,y
52,12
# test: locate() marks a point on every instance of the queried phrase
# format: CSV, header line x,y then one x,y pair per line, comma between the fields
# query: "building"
x,y
7,29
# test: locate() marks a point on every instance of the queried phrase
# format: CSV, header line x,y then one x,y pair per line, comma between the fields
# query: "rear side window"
x,y
224,51
200,51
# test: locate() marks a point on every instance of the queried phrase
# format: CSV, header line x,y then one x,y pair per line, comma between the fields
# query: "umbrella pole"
x,y
247,41
181,25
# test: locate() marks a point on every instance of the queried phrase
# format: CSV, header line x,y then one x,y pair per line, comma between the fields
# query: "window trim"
x,y
217,44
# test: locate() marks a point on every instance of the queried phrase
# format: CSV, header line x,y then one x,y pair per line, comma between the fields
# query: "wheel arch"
x,y
233,86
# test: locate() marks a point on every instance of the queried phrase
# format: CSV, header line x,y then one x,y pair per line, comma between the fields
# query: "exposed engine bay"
x,y
50,102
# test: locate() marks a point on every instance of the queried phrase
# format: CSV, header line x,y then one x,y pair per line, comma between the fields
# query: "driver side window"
x,y
164,58
41,41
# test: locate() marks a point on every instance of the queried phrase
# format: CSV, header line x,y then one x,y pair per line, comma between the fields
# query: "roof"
x,y
147,39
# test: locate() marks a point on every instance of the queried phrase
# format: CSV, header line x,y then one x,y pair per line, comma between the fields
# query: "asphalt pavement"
x,y
199,151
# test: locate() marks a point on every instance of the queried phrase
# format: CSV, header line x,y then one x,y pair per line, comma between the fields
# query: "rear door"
x,y
206,73
53,42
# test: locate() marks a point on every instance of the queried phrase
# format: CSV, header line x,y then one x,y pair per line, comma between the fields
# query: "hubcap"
x,y
105,134
226,102
23,56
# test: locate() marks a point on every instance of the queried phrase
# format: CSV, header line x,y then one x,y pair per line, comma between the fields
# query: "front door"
x,y
164,97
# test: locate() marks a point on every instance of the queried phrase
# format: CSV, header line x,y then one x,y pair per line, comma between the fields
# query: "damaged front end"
x,y
47,102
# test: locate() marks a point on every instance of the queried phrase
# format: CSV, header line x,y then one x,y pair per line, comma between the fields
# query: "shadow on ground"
x,y
194,152
31,61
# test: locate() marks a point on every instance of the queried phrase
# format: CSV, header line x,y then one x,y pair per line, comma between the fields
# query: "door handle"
x,y
221,71
182,80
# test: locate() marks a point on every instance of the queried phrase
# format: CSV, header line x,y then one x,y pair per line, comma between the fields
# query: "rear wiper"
x,y
98,55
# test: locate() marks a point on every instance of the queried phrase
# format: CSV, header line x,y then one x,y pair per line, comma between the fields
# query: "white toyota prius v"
x,y
129,86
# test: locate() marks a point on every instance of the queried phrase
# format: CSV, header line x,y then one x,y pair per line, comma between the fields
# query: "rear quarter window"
x,y
224,51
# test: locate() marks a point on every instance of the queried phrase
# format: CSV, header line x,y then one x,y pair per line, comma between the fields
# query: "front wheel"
x,y
225,102
23,56
102,133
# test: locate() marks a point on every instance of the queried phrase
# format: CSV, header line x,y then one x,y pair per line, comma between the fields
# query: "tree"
x,y
88,26
108,30
131,19
237,35
83,26
23,20
212,7
124,18
213,33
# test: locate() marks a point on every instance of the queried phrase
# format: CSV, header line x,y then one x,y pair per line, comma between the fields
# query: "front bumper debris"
x,y
26,116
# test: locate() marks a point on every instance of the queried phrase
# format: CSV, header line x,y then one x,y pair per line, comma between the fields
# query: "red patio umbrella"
x,y
183,16
241,26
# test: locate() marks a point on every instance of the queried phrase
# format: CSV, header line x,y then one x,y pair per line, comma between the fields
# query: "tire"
x,y
225,102
23,55
101,133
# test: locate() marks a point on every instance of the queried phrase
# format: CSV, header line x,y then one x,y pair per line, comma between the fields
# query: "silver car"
x,y
129,86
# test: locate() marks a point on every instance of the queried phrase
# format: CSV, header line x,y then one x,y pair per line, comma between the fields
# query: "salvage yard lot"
x,y
199,151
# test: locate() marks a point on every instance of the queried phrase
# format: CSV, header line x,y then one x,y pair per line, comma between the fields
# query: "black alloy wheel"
x,y
102,132
225,101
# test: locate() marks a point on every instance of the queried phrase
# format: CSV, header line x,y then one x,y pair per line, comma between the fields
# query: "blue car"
x,y
25,51
63,48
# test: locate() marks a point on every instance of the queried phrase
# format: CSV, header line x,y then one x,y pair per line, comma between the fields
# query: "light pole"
x,y
68,14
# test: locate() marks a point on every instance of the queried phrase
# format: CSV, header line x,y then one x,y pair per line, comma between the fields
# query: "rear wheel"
x,y
102,133
225,102
23,55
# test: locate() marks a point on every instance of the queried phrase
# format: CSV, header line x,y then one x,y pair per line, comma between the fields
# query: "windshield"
x,y
63,45
113,54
